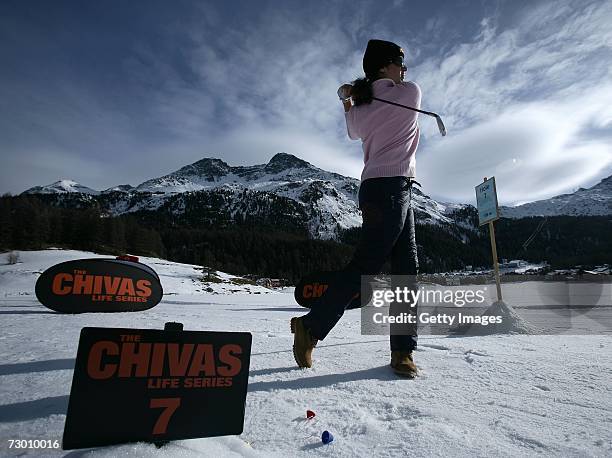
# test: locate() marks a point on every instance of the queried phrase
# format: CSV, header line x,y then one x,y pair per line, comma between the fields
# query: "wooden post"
x,y
488,211
495,263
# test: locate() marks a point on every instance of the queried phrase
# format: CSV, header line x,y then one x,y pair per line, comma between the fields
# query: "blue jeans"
x,y
387,231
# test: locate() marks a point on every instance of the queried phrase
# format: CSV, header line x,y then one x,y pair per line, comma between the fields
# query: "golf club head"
x,y
441,125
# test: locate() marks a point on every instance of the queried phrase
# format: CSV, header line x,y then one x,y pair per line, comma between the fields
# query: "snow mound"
x,y
511,323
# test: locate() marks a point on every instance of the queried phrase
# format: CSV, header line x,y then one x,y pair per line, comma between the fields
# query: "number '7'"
x,y
170,405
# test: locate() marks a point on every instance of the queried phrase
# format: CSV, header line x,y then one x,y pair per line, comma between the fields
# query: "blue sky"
x,y
116,92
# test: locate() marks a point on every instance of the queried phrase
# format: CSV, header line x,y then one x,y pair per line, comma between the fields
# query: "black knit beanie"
x,y
378,54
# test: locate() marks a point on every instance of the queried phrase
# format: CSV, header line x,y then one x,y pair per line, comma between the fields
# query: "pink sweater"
x,y
390,134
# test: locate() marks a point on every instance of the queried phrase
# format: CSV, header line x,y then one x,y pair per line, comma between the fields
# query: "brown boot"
x,y
303,343
402,364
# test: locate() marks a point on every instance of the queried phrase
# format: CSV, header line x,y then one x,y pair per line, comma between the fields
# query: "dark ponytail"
x,y
362,91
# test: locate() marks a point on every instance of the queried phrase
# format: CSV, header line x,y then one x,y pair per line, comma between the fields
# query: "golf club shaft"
x,y
406,106
429,113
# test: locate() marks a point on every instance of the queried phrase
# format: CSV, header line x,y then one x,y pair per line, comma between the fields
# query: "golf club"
x,y
429,113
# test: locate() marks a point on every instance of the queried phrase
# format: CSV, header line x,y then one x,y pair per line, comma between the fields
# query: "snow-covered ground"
x,y
476,396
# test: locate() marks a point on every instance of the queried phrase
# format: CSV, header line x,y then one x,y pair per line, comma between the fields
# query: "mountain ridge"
x,y
287,186
293,189
593,201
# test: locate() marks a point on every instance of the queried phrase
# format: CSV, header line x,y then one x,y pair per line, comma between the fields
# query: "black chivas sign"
x,y
99,285
134,385
312,287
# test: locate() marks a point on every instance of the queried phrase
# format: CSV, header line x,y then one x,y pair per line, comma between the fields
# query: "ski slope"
x,y
476,396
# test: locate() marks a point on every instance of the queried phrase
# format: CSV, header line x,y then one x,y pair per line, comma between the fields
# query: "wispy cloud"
x,y
516,102
269,87
527,101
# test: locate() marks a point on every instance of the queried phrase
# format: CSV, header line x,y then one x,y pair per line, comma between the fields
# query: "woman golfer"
x,y
390,136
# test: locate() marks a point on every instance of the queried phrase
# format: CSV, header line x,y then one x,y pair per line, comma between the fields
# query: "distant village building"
x,y
515,264
512,266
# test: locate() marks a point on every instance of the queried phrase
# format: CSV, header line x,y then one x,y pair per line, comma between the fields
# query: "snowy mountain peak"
x,y
284,161
209,168
193,177
605,184
209,173
63,186
119,188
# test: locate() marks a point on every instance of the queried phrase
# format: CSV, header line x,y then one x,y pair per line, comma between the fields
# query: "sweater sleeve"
x,y
412,94
351,124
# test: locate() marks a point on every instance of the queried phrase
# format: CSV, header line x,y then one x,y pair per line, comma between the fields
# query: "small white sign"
x,y
486,201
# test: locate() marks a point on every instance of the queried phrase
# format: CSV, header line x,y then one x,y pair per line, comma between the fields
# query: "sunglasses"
x,y
399,61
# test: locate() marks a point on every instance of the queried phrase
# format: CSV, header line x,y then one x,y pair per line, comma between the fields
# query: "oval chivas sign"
x,y
312,287
99,285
